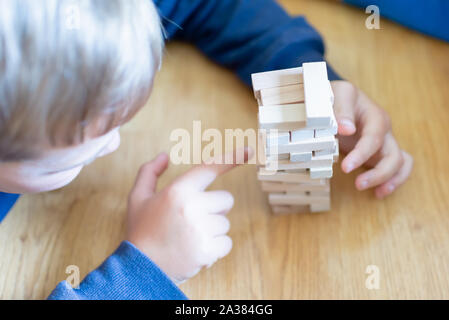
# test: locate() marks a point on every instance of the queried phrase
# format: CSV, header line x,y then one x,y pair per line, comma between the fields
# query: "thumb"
x,y
345,106
146,181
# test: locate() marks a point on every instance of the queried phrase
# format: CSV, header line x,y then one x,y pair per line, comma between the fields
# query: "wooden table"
x,y
290,257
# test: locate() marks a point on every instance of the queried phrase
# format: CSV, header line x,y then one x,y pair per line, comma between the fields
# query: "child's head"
x,y
71,72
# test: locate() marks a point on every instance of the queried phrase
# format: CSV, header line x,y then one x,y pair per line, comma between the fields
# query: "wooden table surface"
x,y
289,257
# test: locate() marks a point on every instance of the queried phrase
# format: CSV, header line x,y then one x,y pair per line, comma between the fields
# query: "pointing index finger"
x,y
201,176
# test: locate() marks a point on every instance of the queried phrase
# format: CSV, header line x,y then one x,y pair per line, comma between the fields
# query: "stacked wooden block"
x,y
298,136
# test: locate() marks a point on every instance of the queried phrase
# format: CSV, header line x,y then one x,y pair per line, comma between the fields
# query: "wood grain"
x,y
280,257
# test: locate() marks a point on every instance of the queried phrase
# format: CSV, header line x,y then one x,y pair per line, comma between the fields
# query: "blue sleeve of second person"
x,y
126,275
430,17
246,36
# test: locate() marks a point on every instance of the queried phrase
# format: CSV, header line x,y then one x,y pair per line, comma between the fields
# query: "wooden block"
x,y
300,157
280,187
318,99
310,194
280,210
302,134
292,177
296,171
334,123
278,157
282,117
264,158
320,207
315,193
337,151
262,147
276,153
321,172
279,138
326,152
295,199
282,95
308,145
331,93
267,152
316,162
331,131
277,78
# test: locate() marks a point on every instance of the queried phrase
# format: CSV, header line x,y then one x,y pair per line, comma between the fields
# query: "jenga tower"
x,y
296,109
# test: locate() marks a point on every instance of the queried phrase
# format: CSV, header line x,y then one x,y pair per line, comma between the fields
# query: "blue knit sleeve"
x,y
126,275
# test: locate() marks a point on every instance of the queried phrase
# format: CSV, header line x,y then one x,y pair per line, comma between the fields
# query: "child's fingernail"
x,y
349,167
347,124
390,188
364,184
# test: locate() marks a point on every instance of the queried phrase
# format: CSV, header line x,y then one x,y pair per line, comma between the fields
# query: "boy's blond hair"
x,y
68,67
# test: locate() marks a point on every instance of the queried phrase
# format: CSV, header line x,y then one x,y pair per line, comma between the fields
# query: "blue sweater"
x,y
244,35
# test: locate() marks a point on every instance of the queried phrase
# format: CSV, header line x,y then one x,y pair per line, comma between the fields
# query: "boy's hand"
x,y
365,133
183,227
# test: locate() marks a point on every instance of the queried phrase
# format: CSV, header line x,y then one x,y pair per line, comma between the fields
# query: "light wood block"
x,y
278,157
282,95
277,78
279,187
309,193
300,157
296,171
292,177
321,172
320,207
262,147
323,193
325,152
337,151
332,131
315,163
279,138
281,210
302,134
318,98
308,145
331,93
295,199
282,117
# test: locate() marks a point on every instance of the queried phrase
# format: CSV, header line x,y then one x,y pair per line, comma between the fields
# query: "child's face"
x,y
56,167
